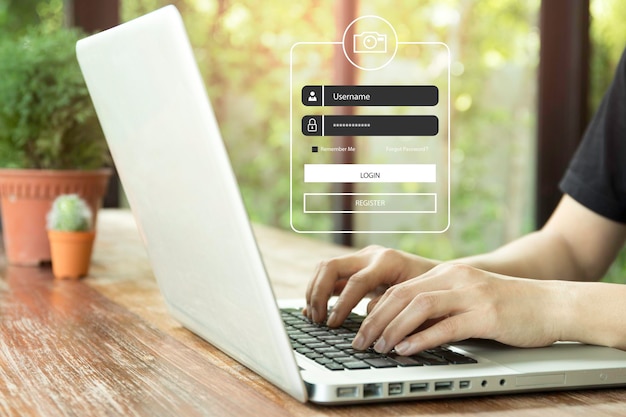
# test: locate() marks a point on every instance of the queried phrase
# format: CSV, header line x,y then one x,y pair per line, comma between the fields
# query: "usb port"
x,y
464,384
443,386
346,392
418,387
395,388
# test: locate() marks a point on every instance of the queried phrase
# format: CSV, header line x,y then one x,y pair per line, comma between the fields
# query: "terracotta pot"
x,y
27,196
71,253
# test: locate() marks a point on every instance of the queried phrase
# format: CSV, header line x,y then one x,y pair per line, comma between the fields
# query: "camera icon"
x,y
370,43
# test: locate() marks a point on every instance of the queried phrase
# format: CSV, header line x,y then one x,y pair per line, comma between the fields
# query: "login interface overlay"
x,y
376,149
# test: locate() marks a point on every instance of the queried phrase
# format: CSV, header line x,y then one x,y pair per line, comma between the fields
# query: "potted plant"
x,y
50,140
71,235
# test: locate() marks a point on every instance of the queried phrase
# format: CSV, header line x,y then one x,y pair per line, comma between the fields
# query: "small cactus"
x,y
69,213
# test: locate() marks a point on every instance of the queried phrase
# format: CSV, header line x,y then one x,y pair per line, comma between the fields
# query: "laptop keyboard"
x,y
332,347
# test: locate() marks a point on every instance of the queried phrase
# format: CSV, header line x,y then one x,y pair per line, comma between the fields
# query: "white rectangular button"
x,y
372,203
350,173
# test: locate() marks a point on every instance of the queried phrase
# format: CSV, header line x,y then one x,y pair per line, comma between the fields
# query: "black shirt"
x,y
596,176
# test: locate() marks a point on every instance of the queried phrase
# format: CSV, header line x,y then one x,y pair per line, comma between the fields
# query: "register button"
x,y
369,203
372,202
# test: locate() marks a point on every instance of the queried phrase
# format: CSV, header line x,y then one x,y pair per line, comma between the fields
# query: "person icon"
x,y
312,95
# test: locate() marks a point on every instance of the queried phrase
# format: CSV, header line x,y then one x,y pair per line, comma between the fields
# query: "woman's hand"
x,y
453,302
369,271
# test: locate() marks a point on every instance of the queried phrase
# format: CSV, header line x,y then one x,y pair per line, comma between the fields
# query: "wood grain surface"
x,y
69,351
106,346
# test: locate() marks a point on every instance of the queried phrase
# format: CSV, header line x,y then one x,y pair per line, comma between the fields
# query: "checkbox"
x,y
314,149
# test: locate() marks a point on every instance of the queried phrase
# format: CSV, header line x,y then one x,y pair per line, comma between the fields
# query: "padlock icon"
x,y
311,126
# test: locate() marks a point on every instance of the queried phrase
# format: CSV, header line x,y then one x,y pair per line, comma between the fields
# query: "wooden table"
x,y
106,346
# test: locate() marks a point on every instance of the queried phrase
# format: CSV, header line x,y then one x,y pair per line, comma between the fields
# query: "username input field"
x,y
370,95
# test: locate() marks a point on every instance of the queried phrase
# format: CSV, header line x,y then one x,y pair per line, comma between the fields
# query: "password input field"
x,y
370,125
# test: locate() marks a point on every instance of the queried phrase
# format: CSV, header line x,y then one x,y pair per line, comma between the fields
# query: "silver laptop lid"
x,y
160,127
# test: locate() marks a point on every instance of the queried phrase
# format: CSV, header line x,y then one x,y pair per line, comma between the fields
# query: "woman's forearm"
x,y
575,245
537,255
594,313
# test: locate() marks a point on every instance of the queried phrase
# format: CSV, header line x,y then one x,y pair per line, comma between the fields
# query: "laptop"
x,y
165,141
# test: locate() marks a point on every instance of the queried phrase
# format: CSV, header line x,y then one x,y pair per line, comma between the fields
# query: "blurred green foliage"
x,y
16,16
608,39
242,47
494,47
47,120
243,51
